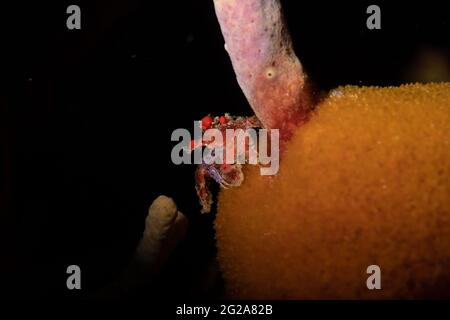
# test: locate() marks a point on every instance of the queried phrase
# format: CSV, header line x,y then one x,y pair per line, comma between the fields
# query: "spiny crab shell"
x,y
226,174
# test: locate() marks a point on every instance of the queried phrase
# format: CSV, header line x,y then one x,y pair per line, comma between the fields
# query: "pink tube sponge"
x,y
266,67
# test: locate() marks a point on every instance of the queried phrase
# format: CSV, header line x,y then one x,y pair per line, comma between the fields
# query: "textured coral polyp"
x,y
366,181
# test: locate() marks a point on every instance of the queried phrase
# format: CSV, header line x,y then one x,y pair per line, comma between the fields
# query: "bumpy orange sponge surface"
x,y
365,182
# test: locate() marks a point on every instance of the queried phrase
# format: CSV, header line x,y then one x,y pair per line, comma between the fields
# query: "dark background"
x,y
86,117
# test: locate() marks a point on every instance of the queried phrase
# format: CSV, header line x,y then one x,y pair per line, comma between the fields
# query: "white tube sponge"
x,y
165,227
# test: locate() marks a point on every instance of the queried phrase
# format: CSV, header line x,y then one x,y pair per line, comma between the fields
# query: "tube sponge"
x,y
266,67
365,181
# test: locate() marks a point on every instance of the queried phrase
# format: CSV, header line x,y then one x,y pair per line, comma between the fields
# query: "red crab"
x,y
226,175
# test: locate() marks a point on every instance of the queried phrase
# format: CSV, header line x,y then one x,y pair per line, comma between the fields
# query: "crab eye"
x,y
223,120
206,122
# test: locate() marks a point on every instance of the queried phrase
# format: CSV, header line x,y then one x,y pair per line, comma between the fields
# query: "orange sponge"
x,y
366,181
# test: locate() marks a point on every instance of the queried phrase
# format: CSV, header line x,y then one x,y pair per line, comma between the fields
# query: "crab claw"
x,y
225,184
232,176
